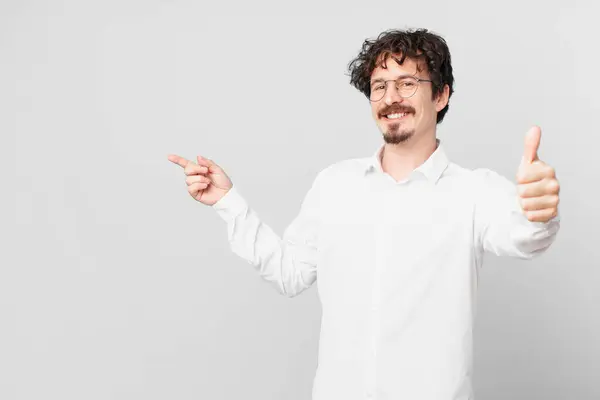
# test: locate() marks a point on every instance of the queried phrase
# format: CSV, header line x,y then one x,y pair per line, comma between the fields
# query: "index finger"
x,y
182,162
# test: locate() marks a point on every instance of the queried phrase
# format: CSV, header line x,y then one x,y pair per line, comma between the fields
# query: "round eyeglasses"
x,y
406,86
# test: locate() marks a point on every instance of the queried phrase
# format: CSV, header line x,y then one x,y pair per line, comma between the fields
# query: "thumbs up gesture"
x,y
537,185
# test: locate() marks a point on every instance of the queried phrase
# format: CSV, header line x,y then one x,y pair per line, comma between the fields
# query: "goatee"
x,y
393,136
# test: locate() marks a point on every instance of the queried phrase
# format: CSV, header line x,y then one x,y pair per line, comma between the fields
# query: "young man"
x,y
395,240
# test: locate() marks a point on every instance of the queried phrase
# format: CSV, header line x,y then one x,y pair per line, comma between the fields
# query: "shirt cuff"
x,y
230,205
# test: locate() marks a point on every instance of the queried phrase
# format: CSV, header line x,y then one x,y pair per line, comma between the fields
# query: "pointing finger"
x,y
182,162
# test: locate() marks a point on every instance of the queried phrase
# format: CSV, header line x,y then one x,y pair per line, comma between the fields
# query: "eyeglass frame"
x,y
419,80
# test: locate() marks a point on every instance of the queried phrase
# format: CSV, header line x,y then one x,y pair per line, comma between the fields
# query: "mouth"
x,y
395,116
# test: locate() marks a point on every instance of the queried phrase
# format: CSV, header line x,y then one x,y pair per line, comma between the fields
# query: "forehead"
x,y
388,68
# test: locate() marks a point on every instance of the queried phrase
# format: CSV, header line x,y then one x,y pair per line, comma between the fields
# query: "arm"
x,y
289,263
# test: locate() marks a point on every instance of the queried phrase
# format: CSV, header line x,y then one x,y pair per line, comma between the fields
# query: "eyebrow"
x,y
398,77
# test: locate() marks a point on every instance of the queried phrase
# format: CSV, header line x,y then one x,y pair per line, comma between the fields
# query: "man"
x,y
395,240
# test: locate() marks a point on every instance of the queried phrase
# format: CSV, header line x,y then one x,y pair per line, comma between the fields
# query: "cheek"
x,y
424,114
374,112
428,110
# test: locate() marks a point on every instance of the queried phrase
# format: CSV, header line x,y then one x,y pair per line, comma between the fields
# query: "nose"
x,y
391,94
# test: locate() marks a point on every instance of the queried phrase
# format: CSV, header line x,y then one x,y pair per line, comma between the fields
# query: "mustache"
x,y
397,109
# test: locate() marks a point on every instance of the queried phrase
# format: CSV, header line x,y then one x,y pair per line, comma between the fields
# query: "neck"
x,y
399,160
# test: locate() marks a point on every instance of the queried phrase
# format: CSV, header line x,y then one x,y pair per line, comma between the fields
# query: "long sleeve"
x,y
501,226
289,263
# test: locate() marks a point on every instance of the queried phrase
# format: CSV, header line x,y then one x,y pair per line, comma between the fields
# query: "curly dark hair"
x,y
426,48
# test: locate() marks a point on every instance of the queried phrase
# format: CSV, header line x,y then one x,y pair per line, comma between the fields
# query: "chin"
x,y
395,136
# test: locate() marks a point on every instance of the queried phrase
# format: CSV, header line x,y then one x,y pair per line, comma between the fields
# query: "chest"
x,y
365,224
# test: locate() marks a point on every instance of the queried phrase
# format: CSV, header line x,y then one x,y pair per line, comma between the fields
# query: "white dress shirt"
x,y
396,266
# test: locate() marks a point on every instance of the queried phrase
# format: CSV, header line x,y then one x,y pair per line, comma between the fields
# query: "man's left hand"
x,y
537,185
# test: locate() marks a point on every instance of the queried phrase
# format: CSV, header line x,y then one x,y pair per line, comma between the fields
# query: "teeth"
x,y
395,116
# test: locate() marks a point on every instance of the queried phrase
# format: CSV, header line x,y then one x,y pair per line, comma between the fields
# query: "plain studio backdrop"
x,y
116,284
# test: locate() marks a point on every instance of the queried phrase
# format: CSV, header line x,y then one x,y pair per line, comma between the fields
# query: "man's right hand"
x,y
207,182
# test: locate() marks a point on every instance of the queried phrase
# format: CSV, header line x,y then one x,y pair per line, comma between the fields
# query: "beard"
x,y
395,135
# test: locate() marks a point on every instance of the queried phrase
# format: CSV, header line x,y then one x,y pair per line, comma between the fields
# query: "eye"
x,y
378,87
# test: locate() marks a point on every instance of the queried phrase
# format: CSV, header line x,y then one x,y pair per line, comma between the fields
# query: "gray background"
x,y
116,284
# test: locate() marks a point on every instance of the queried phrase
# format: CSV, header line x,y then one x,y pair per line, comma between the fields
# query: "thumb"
x,y
532,144
210,164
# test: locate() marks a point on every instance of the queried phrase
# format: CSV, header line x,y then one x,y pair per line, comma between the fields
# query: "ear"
x,y
441,100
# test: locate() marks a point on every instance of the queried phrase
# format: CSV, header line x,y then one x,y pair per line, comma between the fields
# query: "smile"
x,y
395,116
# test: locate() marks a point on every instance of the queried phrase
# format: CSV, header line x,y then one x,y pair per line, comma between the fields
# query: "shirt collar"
x,y
432,168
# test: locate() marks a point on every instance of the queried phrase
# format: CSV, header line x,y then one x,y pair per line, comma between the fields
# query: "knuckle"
x,y
530,216
192,169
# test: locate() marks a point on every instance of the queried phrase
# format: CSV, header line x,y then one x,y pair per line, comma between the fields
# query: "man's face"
x,y
418,113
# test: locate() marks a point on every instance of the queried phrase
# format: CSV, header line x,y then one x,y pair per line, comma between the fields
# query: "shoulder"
x,y
474,177
340,170
475,182
489,179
